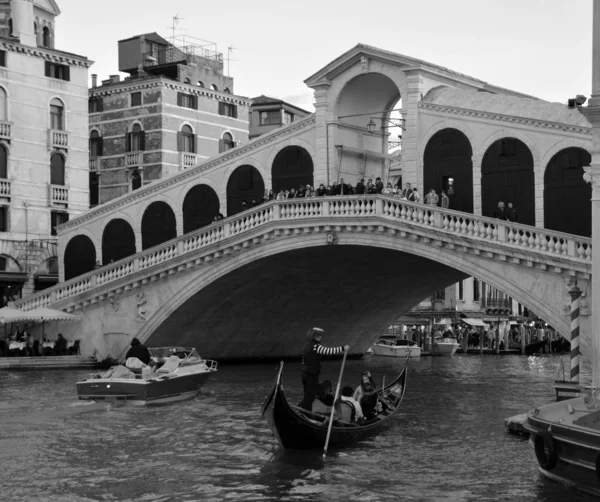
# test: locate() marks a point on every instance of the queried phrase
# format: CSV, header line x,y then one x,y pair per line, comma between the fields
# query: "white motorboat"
x,y
446,346
396,348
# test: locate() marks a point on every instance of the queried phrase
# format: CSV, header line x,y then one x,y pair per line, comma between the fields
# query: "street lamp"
x,y
372,126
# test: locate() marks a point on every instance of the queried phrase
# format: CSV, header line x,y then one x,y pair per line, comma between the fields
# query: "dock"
x,y
48,362
515,425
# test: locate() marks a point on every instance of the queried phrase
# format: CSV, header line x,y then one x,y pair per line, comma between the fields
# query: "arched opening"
x,y
118,241
95,145
57,169
158,224
200,83
227,90
3,105
567,197
244,184
136,139
292,167
214,87
507,176
47,274
94,189
200,206
3,162
186,140
57,115
80,256
136,180
187,81
46,37
448,167
226,143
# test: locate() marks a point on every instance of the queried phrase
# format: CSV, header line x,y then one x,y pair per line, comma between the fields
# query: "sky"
x,y
538,47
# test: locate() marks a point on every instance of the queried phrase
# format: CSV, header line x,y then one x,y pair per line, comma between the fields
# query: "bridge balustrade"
x,y
327,209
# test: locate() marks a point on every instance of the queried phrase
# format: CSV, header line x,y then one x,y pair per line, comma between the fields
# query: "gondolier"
x,y
311,364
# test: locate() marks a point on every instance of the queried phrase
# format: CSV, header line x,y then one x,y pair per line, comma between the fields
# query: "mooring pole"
x,y
575,294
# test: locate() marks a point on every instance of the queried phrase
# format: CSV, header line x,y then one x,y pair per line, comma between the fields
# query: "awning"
x,y
51,278
13,277
496,319
474,322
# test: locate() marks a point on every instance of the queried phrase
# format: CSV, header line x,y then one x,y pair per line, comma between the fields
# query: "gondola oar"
x,y
337,391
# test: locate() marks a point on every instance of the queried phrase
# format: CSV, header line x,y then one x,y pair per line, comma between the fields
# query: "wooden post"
x,y
575,294
481,340
498,339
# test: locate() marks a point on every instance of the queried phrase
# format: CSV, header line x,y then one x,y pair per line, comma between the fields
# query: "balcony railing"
x,y
134,159
94,164
495,303
5,130
187,160
58,195
58,139
5,188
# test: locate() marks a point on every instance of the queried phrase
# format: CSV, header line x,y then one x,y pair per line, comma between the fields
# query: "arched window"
x,y
10,27
227,90
95,145
214,87
57,117
46,37
187,81
35,31
186,140
3,107
226,143
57,169
136,180
200,83
94,186
3,162
136,139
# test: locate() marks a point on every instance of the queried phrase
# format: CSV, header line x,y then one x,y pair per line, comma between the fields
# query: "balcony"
x,y
187,160
58,139
134,159
5,188
495,303
94,164
58,195
5,130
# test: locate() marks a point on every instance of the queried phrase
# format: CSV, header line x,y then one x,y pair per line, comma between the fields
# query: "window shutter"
x,y
195,102
48,68
100,146
234,108
67,73
100,105
194,143
221,146
179,99
221,108
128,141
180,144
142,140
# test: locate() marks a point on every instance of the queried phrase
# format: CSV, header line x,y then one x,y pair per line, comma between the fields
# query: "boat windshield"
x,y
181,352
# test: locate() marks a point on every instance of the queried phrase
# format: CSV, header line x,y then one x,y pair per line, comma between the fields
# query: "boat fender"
x,y
545,450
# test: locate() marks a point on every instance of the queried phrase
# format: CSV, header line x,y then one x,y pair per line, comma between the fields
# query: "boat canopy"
x,y
475,322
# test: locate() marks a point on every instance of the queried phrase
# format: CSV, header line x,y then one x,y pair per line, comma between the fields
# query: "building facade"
x,y
175,110
268,113
43,147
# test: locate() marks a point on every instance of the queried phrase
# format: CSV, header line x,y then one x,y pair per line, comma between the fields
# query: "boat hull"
x,y
576,447
396,350
446,348
159,390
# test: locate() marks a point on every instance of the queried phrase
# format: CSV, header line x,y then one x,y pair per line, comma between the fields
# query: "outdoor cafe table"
x,y
17,345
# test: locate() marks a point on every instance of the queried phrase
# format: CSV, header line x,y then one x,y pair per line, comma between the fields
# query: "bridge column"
x,y
575,294
477,204
413,170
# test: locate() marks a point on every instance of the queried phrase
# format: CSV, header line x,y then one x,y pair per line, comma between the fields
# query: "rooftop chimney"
x,y
94,80
114,79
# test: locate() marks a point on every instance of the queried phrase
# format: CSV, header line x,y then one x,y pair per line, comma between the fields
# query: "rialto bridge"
x,y
249,285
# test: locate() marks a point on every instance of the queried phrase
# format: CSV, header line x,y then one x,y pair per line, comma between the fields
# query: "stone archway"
x,y
292,167
507,175
158,224
80,256
118,241
244,184
448,166
200,206
567,197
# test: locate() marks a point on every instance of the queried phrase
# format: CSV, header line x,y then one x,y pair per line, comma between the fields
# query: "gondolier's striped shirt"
x,y
327,351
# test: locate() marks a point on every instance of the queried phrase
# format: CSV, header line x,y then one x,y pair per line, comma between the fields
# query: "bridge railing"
x,y
520,237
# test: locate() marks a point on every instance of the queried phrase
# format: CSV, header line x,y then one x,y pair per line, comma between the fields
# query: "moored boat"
x,y
395,348
299,429
181,376
446,346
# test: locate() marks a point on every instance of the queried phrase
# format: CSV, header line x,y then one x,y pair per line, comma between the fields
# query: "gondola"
x,y
299,429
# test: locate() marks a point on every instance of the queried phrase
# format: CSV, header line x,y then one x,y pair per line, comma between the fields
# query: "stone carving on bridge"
x,y
332,238
142,307
592,178
114,303
364,61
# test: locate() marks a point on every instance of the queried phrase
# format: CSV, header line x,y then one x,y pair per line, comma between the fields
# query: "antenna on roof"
x,y
230,49
176,20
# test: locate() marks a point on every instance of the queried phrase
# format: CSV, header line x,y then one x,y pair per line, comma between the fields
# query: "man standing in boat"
x,y
311,364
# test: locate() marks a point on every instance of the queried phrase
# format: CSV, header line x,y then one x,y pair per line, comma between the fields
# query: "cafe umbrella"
x,y
44,314
8,315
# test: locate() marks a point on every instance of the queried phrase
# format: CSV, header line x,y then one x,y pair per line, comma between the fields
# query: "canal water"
x,y
448,443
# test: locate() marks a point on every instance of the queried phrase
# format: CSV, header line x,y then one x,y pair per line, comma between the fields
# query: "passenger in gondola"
x,y
324,397
311,364
347,393
366,395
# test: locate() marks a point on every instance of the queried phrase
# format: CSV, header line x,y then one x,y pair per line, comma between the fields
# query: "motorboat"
x,y
446,346
395,348
174,374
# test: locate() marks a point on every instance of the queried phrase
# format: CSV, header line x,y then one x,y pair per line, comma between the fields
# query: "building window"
x,y
94,189
226,143
136,99
95,105
3,58
96,145
200,83
476,290
59,71
227,109
3,107
57,117
187,100
461,290
136,180
214,87
227,90
57,169
269,118
57,218
4,219
3,162
288,118
136,139
10,27
186,140
46,37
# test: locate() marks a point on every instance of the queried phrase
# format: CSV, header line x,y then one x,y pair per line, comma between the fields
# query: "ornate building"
x,y
43,150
